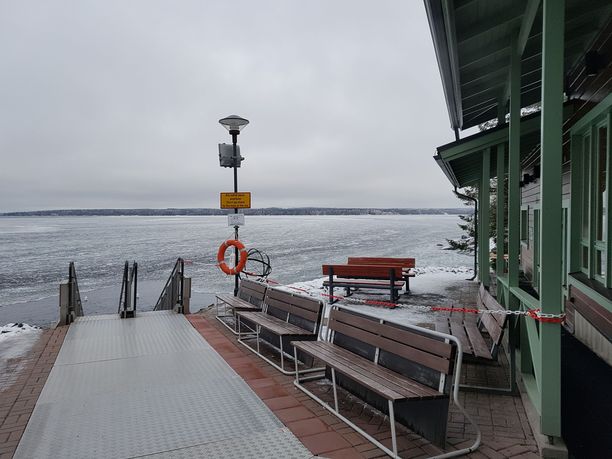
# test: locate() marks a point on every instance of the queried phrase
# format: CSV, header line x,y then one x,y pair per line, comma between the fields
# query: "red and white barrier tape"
x,y
535,314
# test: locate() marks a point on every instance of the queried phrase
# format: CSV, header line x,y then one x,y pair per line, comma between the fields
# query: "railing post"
x,y
186,294
514,169
500,216
484,218
64,301
551,213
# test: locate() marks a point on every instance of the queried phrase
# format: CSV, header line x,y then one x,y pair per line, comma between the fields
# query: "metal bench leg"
x,y
392,421
297,369
280,338
333,373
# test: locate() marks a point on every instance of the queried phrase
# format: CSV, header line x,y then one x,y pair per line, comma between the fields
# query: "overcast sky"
x,y
116,103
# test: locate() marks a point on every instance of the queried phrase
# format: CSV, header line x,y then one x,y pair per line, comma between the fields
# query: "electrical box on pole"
x,y
226,155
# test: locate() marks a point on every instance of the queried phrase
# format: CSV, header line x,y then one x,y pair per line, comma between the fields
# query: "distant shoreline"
x,y
262,211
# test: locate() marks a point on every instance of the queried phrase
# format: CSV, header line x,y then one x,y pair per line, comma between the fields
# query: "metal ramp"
x,y
150,386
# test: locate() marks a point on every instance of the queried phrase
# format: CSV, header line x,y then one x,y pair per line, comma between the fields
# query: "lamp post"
x,y
234,124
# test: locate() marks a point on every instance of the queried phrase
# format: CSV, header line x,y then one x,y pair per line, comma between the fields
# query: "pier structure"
x,y
167,384
149,386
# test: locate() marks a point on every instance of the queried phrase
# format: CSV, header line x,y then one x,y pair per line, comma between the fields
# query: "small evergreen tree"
x,y
465,244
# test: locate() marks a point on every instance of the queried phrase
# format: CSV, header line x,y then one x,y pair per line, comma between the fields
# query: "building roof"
x,y
473,40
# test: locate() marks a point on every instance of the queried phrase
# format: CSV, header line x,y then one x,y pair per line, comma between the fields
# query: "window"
x,y
600,196
524,226
595,178
586,200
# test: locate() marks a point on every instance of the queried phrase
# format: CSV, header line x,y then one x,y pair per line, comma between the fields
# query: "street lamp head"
x,y
233,123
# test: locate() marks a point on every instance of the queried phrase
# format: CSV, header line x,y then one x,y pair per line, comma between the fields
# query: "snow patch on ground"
x,y
15,341
432,286
11,330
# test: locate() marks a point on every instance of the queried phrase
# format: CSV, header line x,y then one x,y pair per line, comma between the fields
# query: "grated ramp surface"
x,y
149,386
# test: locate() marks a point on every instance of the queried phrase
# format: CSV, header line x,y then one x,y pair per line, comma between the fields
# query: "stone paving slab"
x,y
501,418
21,382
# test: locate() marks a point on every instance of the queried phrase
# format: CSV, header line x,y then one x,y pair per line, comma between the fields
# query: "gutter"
x,y
448,171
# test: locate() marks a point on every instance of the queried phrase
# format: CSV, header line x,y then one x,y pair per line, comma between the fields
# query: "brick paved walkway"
x,y
21,384
501,418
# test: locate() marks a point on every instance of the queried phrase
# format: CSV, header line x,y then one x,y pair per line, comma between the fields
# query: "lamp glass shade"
x,y
233,123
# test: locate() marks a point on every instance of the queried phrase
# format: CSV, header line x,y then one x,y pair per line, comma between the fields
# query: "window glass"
x,y
586,167
600,263
602,198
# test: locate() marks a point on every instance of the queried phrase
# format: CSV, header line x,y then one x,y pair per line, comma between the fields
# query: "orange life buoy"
x,y
221,257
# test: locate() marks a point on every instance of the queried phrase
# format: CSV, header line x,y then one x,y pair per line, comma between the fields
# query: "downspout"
x,y
459,195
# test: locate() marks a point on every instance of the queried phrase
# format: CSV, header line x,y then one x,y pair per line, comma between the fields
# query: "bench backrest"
x,y
363,271
493,323
403,262
398,348
303,311
252,291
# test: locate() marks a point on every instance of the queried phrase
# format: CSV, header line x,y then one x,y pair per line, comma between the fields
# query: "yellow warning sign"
x,y
236,200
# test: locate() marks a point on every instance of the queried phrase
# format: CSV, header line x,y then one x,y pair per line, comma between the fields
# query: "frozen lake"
x,y
35,253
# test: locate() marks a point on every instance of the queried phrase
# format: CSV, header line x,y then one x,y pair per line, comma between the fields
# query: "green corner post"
x,y
514,170
501,212
551,213
484,220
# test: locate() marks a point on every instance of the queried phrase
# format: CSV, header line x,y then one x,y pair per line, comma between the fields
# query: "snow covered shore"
x,y
432,286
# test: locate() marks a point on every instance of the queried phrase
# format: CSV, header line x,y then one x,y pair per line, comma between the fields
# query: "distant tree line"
x,y
263,211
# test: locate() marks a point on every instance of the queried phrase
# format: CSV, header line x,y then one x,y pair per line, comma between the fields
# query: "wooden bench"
x,y
250,297
469,328
407,265
285,317
368,276
402,370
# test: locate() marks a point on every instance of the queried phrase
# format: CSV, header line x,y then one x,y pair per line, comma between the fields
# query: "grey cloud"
x,y
115,104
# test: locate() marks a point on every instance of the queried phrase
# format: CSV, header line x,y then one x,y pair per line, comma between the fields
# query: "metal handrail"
x,y
129,290
172,294
74,302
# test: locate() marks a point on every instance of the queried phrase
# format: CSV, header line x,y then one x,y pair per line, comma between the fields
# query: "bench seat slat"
x,y
458,332
479,346
399,382
237,303
364,283
275,325
403,262
381,380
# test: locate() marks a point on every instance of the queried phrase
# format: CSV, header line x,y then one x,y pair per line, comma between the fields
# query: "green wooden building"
x,y
536,76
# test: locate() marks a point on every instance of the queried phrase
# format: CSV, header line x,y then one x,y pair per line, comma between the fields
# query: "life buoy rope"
x,y
221,257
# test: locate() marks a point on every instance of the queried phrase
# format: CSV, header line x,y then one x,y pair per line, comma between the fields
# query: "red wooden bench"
x,y
353,277
407,264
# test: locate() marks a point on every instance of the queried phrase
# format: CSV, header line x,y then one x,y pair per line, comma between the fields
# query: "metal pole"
x,y
234,140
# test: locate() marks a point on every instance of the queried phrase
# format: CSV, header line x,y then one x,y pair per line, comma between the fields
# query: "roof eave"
x,y
448,171
437,16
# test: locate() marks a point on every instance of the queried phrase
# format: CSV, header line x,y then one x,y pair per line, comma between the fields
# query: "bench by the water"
x,y
285,317
407,265
353,277
250,297
404,371
469,328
